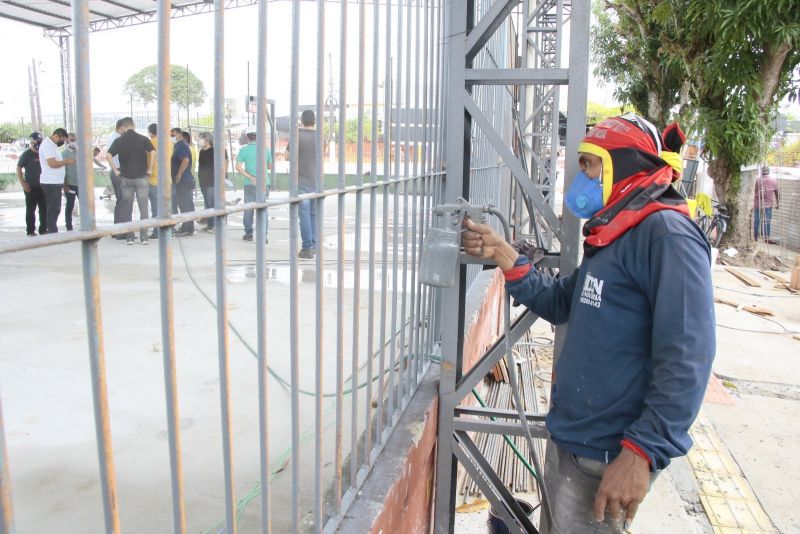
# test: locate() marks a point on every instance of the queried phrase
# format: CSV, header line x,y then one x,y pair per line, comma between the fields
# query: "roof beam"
x,y
123,6
93,12
34,10
24,21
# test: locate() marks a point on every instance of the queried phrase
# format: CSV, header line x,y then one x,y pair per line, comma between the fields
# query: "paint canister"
x,y
496,525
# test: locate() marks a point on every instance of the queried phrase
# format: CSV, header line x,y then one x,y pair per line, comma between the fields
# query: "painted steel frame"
x,y
468,27
407,340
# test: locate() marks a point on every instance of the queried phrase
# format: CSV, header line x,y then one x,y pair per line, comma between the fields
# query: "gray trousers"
x,y
572,483
137,188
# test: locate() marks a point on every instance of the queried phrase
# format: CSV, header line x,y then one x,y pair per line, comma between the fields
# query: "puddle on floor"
x,y
280,274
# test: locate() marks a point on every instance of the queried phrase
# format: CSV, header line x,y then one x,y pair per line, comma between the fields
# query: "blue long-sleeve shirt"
x,y
640,341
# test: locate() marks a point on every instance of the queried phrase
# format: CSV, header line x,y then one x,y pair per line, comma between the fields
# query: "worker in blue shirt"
x,y
640,343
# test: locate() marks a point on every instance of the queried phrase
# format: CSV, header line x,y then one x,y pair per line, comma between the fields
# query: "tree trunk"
x,y
735,190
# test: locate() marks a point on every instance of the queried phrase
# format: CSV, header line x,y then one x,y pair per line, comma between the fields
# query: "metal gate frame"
x,y
465,37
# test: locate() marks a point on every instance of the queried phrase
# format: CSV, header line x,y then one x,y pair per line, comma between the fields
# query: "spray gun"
x,y
442,245
438,268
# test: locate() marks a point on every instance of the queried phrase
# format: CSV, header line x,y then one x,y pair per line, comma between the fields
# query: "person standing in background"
x,y
182,181
766,199
136,157
246,165
116,182
152,131
205,174
52,178
34,194
70,180
307,180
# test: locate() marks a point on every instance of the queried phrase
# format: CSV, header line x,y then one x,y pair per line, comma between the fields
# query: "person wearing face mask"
x,y
205,174
640,343
53,173
34,194
70,180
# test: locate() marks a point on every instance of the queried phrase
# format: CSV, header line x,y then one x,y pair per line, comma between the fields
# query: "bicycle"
x,y
714,227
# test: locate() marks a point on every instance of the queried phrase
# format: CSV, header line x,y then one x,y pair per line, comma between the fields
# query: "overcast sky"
x,y
119,53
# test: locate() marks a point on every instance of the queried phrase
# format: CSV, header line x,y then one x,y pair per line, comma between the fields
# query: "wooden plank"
x,y
743,277
776,277
756,310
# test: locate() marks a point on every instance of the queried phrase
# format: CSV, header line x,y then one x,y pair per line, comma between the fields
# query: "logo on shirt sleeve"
x,y
592,292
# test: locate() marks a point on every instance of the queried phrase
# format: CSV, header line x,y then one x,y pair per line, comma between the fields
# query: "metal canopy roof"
x,y
55,16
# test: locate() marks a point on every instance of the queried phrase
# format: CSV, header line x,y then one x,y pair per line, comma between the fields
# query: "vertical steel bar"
x,y
320,305
357,254
373,165
403,382
387,121
395,213
165,272
261,278
223,342
415,238
6,509
459,15
91,274
340,223
294,287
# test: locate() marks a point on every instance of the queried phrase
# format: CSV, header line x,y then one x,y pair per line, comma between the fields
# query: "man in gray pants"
x,y
136,159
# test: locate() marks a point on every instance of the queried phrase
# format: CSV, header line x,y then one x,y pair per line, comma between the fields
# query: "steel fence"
x,y
392,206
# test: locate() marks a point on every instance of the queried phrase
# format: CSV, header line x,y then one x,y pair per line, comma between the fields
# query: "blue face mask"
x,y
585,196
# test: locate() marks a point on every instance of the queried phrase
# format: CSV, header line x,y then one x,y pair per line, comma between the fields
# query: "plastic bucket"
x,y
496,525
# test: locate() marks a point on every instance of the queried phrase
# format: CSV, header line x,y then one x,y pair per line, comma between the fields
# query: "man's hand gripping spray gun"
x,y
438,268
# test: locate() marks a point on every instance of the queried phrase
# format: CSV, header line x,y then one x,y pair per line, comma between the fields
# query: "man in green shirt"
x,y
246,164
70,179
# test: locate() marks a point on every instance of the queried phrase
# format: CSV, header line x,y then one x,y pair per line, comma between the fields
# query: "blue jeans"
x,y
757,221
152,194
182,200
250,196
307,213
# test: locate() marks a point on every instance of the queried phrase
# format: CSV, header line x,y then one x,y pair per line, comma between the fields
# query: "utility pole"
x,y
36,99
34,122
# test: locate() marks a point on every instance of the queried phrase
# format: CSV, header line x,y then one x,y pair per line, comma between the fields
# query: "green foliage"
x,y
10,131
627,51
596,112
350,129
728,62
785,156
144,86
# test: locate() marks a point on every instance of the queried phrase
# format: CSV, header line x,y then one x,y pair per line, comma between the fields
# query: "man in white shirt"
x,y
52,178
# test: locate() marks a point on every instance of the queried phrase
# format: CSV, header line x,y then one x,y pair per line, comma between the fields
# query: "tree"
x,y
627,51
597,112
728,62
144,86
741,57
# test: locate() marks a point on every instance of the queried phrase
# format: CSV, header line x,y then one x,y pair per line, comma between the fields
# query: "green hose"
x,y
514,448
239,335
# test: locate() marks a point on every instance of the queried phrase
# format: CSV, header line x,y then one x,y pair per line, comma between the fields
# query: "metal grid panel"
x,y
407,189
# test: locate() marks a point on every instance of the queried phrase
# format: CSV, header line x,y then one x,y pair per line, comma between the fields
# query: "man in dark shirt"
x,y
182,181
136,159
306,183
34,194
